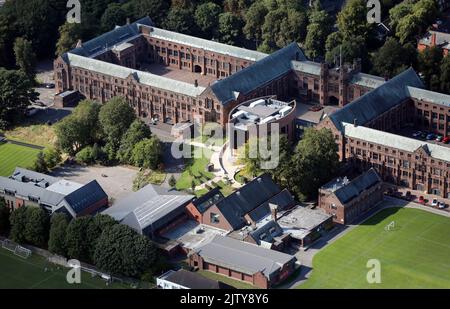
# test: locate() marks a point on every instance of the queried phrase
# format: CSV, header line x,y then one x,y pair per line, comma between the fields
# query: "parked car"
x,y
408,195
439,138
434,203
421,200
417,134
39,103
430,137
446,140
441,205
49,85
423,135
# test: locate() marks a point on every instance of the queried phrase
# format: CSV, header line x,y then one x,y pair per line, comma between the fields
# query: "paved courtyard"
x,y
117,181
180,75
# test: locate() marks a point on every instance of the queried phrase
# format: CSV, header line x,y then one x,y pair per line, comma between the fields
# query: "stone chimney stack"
x,y
433,39
79,44
128,20
274,211
355,122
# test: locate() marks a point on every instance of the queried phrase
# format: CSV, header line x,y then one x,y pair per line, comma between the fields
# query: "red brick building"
x,y
176,78
366,132
263,268
347,200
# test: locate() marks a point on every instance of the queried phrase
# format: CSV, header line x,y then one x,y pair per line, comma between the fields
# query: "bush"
x,y
91,154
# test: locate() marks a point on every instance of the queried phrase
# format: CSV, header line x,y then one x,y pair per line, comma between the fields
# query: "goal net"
x,y
22,252
9,245
390,226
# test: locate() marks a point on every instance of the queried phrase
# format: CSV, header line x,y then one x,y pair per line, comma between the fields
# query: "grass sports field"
x,y
19,273
12,155
415,254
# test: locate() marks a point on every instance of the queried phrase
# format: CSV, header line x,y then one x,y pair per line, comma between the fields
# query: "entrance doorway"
x,y
333,101
197,69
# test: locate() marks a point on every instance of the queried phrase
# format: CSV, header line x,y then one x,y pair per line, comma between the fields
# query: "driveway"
x,y
117,184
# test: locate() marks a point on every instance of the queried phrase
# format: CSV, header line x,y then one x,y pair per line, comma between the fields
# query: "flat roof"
x,y
301,221
64,187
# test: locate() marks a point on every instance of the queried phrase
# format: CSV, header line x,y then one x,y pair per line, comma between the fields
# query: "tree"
x,y
114,15
147,153
137,132
18,220
254,19
156,9
115,117
318,30
96,226
229,28
313,163
172,181
52,157
40,165
429,61
120,250
80,129
4,218
25,57
445,75
393,58
180,20
57,236
76,238
352,20
69,34
36,226
206,17
16,93
350,49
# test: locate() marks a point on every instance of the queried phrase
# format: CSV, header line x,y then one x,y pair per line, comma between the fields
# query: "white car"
x,y
441,205
434,203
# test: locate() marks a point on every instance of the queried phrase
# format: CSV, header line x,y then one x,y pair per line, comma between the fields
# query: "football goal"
x,y
22,252
390,226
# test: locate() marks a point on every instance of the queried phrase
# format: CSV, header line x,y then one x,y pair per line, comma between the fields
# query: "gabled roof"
x,y
442,39
122,72
283,200
395,141
267,232
377,101
235,206
80,199
258,74
209,45
367,80
354,188
429,96
207,200
309,67
148,208
114,37
24,175
244,257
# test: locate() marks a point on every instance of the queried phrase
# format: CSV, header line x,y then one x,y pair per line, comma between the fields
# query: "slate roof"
x,y
377,101
235,206
80,199
309,67
192,280
24,175
367,80
395,141
207,200
429,96
148,208
209,45
258,74
267,232
122,72
109,39
354,188
244,257
283,200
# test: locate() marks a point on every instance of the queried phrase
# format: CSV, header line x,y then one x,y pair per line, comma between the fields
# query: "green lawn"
x,y
195,170
416,254
19,273
12,156
238,284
